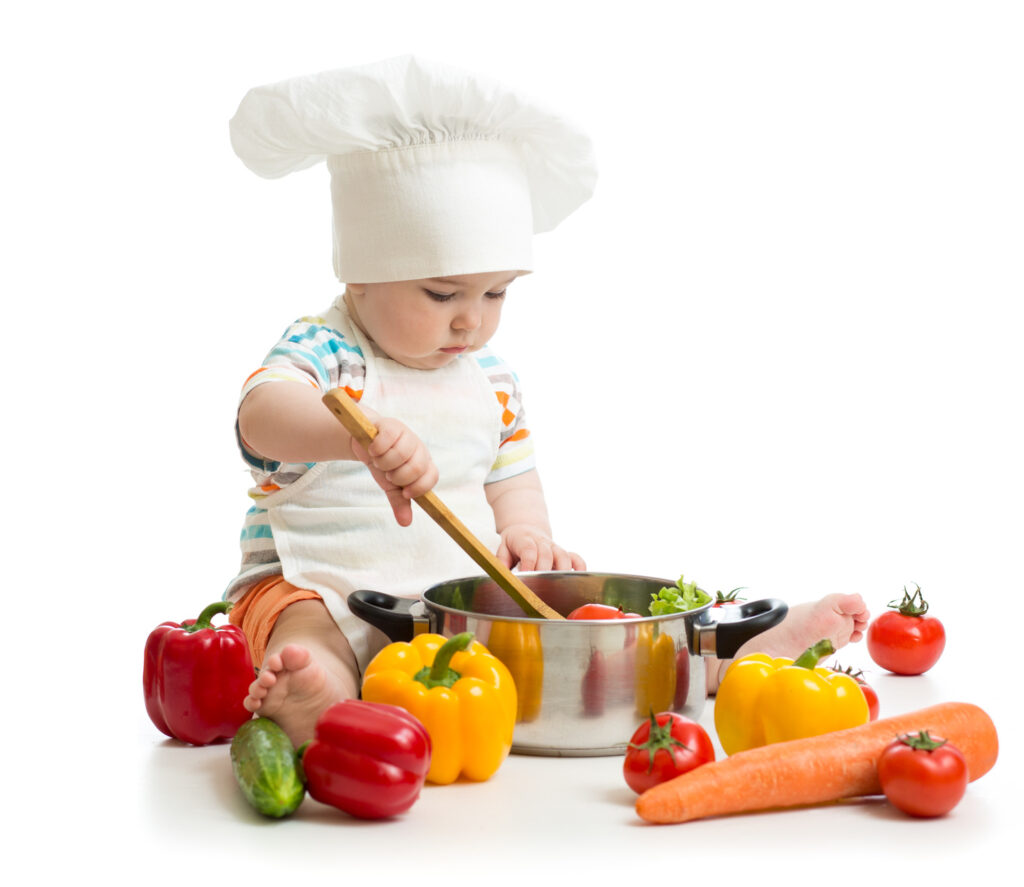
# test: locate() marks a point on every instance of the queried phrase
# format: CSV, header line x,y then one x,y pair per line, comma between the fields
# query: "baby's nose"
x,y
468,318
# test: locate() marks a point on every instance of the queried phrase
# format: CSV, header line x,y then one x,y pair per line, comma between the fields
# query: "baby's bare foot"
x,y
842,618
293,690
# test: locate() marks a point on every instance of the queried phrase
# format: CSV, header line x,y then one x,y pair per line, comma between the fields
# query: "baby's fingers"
x,y
527,554
415,476
505,556
545,555
392,447
567,560
359,451
401,507
426,481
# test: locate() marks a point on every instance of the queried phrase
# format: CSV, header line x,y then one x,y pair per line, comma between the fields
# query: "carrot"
x,y
816,770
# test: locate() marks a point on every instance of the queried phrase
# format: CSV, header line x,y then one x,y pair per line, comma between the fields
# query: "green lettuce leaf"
x,y
680,598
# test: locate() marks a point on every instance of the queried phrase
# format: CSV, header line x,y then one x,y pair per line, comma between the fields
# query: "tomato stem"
x,y
922,741
911,604
857,675
659,738
731,598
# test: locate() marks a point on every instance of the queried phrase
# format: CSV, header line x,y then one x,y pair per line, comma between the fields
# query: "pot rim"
x,y
666,583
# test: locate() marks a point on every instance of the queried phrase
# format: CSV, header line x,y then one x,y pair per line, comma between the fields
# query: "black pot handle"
x,y
754,618
392,615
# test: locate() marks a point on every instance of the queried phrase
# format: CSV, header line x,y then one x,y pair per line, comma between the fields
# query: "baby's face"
x,y
427,324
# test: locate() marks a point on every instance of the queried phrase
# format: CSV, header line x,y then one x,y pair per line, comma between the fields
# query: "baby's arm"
x,y
521,518
287,422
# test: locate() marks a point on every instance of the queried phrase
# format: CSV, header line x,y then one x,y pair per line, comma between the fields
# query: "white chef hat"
x,y
434,171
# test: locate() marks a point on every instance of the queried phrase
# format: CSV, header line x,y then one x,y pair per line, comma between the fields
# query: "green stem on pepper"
x,y
440,674
811,656
205,619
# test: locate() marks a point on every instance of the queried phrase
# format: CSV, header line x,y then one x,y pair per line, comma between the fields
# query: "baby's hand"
x,y
533,549
400,464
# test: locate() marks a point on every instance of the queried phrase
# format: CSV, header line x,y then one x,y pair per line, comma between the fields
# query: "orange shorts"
x,y
259,608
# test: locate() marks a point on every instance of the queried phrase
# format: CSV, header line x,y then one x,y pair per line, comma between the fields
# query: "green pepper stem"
x,y
443,659
440,673
205,619
810,657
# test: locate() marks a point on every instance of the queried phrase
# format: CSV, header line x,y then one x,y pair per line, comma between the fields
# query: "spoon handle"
x,y
364,431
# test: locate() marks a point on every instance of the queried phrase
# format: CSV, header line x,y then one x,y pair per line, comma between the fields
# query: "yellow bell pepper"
x,y
762,700
463,695
655,681
517,644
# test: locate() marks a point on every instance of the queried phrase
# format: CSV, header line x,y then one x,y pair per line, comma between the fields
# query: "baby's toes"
x,y
257,693
271,664
294,657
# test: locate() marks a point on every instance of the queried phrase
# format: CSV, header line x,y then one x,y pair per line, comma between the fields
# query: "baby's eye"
x,y
496,295
439,297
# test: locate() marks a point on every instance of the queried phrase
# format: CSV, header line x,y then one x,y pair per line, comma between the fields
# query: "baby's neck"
x,y
349,303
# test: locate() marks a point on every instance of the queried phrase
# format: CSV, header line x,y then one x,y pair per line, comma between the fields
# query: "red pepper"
x,y
195,677
367,758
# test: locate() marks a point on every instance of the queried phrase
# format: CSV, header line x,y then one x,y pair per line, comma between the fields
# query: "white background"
x,y
779,348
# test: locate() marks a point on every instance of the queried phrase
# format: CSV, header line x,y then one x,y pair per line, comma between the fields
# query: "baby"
x,y
439,179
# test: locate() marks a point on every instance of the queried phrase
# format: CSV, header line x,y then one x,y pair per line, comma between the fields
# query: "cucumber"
x,y
267,768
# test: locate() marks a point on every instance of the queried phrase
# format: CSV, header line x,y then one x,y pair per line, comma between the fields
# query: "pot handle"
x,y
723,639
392,615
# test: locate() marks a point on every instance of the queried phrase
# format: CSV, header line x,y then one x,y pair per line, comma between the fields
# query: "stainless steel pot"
x,y
584,685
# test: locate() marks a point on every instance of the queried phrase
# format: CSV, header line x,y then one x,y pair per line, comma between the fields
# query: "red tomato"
x,y
904,640
601,611
922,775
872,699
664,747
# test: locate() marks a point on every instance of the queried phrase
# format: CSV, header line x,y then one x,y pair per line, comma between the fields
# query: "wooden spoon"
x,y
363,430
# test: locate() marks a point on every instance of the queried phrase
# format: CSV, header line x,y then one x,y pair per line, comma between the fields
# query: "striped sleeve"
x,y
311,353
515,446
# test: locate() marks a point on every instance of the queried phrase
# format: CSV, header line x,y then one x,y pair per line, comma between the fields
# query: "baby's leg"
x,y
841,618
308,666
